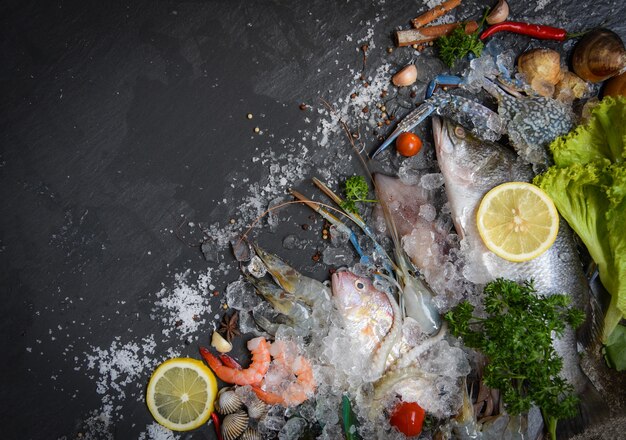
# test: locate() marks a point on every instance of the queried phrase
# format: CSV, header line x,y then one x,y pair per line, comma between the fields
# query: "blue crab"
x,y
531,122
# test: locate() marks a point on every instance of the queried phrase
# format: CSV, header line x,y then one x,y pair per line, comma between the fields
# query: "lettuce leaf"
x,y
588,187
615,349
603,137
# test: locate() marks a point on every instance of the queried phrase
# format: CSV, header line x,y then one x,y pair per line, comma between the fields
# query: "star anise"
x,y
229,326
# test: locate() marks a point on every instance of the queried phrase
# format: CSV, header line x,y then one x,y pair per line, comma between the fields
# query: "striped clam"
x,y
256,408
250,434
228,402
242,410
234,425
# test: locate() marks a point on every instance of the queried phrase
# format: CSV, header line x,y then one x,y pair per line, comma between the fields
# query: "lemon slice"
x,y
181,393
517,221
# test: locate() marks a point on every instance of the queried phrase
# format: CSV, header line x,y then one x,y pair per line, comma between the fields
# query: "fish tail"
x,y
592,409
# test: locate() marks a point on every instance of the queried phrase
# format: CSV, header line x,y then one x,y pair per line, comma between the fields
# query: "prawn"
x,y
254,374
298,390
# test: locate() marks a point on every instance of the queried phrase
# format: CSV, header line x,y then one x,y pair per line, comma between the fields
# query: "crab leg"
x,y
442,81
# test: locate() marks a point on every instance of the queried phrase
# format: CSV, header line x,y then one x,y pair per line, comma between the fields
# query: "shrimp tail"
x,y
269,398
230,362
211,359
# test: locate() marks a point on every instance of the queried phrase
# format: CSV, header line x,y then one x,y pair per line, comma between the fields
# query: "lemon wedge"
x,y
517,221
181,393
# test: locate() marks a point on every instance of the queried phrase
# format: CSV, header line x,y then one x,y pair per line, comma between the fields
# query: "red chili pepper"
x,y
216,423
532,30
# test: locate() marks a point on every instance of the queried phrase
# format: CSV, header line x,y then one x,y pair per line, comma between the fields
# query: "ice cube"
x,y
293,242
210,250
327,409
241,295
273,423
338,236
431,181
307,411
247,325
340,256
293,429
331,432
428,212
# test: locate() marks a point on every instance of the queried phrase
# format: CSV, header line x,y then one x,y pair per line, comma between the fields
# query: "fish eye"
x,y
459,131
359,285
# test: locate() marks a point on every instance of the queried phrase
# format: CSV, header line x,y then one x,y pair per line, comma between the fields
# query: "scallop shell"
x,y
234,425
227,401
257,409
250,434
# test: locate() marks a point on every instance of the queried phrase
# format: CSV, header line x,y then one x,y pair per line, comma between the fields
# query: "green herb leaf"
x,y
516,338
457,45
356,190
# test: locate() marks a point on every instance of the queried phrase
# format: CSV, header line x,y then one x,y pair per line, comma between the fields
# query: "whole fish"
x,y
425,242
471,168
416,296
372,317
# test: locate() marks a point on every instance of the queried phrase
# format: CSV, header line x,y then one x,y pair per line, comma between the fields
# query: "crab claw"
x,y
407,124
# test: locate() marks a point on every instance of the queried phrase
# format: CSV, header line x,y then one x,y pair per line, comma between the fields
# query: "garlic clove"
x,y
406,76
220,344
499,13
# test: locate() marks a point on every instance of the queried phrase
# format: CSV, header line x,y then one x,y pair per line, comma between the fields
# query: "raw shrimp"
x,y
254,374
305,289
297,391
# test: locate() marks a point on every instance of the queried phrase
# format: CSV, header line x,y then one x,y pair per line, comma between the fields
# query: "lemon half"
x,y
517,221
181,393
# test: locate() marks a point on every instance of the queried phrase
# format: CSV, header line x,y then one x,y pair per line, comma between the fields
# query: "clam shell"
x,y
234,425
227,401
257,409
600,54
250,434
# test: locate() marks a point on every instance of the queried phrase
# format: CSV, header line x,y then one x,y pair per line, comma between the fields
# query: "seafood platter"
x,y
420,235
485,283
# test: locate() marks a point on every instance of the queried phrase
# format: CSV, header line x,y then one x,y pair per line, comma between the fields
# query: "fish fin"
x,y
592,409
591,331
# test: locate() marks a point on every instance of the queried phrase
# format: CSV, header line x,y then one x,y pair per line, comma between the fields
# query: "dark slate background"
x,y
117,119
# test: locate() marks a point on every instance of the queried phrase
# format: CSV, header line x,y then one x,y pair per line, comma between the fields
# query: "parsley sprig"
x,y
459,44
356,190
516,338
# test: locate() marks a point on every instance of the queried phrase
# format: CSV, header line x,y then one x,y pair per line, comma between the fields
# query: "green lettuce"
x,y
588,186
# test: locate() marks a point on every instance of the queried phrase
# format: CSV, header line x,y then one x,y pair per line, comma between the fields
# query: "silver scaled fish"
x,y
471,168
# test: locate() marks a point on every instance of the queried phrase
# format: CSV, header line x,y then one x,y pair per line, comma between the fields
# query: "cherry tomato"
x,y
408,144
408,417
